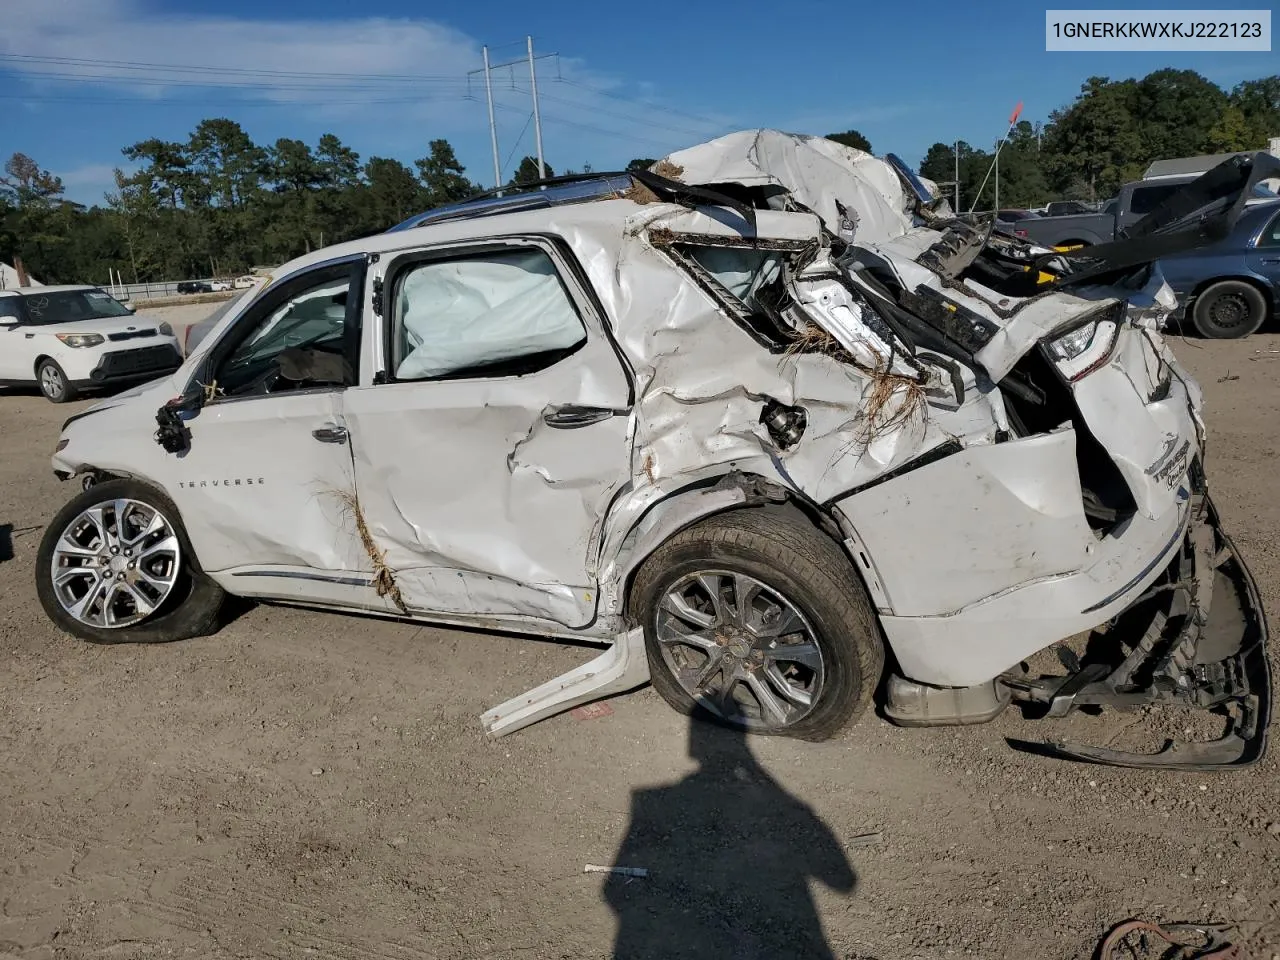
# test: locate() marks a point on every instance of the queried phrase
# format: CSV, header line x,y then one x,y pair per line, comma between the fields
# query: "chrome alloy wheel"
x,y
115,564
740,649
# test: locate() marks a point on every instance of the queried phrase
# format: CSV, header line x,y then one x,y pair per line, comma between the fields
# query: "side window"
x,y
1146,199
11,307
301,338
1270,236
494,314
747,282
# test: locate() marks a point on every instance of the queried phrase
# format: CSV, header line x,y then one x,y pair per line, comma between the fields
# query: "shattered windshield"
x,y
71,306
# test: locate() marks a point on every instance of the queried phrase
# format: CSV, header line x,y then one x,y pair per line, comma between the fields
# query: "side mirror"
x,y
8,321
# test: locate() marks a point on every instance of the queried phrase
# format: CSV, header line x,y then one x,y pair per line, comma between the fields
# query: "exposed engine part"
x,y
785,423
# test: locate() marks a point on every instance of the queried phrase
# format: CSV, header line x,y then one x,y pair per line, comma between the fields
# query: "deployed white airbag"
x,y
457,314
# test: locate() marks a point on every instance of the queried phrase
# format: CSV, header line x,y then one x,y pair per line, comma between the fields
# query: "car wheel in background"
x,y
115,566
758,620
53,382
1229,309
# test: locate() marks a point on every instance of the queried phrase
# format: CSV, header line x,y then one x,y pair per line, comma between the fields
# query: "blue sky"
x,y
629,80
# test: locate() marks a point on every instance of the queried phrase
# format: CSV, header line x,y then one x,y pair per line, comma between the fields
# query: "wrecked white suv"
x,y
765,419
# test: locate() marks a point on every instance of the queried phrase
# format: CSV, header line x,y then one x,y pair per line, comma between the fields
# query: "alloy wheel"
x,y
740,648
115,564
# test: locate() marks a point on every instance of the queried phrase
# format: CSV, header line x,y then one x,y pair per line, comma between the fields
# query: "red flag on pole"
x,y
1017,112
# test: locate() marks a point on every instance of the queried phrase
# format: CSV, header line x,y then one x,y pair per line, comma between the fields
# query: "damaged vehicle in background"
x,y
765,418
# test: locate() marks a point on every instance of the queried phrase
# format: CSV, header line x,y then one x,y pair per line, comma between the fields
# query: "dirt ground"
x,y
313,785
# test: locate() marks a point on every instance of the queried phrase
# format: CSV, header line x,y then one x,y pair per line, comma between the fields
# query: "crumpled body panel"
x,y
838,183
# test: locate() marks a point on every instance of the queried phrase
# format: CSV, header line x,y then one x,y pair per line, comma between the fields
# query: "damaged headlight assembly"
x,y
1088,345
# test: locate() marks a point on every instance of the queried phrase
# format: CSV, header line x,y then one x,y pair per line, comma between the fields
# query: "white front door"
x,y
267,485
497,435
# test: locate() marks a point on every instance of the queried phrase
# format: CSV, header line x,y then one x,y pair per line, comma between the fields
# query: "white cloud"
x,y
89,184
295,67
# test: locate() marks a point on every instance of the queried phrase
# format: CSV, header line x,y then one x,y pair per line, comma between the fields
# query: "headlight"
x,y
1084,348
166,330
80,339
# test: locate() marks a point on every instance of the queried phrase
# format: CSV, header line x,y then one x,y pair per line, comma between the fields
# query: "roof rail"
x,y
549,192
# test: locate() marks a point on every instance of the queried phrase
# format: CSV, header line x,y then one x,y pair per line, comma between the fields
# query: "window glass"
x,y
494,314
1146,199
69,306
1270,236
295,344
10,307
740,270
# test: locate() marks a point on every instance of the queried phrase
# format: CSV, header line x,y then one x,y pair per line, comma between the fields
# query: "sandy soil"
x,y
305,784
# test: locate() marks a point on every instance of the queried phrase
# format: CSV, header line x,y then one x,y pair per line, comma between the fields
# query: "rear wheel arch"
x,y
680,510
796,563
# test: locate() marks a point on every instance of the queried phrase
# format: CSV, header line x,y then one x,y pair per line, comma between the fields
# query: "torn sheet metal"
x,y
858,196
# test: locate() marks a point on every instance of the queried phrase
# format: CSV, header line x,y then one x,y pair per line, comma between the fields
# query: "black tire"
x,y
779,547
50,370
191,610
1229,309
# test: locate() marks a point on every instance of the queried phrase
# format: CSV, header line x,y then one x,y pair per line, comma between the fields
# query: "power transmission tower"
x,y
487,69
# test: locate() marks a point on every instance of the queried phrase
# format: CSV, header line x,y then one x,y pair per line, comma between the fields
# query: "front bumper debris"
x,y
1198,639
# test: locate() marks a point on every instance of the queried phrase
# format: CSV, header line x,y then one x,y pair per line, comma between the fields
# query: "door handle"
x,y
1271,259
568,416
330,433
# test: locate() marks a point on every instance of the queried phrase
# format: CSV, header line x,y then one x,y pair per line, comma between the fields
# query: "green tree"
x,y
1231,133
1259,102
527,171
851,138
641,163
442,175
1174,110
1095,141
392,193
28,184
339,165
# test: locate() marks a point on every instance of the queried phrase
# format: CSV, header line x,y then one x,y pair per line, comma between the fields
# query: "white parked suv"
x,y
772,466
69,339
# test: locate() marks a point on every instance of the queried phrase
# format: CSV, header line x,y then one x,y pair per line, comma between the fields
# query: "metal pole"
x,y
957,159
997,206
537,117
493,129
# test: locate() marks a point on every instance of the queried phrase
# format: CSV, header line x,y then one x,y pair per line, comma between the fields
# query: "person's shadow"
x,y
729,855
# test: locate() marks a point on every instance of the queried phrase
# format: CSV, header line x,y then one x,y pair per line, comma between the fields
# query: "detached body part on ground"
x,y
757,419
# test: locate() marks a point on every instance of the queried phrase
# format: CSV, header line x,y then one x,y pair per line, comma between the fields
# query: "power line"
x,y
180,68
652,106
588,127
523,131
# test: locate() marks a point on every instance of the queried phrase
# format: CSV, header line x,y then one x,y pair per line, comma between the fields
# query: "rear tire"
x,y
191,602
777,553
54,383
1229,309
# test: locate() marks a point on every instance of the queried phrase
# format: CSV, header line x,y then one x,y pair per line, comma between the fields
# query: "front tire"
x,y
1229,310
115,566
54,383
757,619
